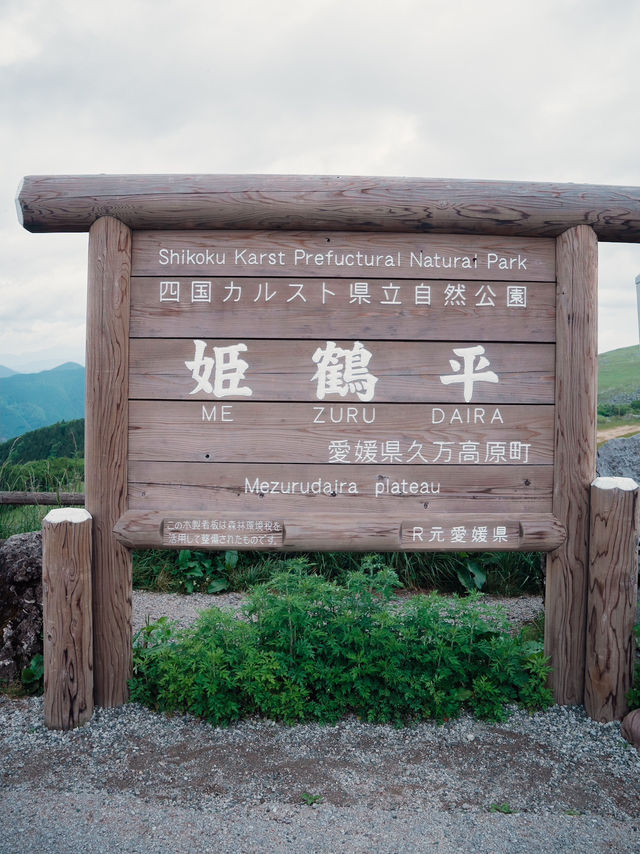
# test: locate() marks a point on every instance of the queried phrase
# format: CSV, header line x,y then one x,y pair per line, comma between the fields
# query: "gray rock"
x,y
631,728
20,603
620,458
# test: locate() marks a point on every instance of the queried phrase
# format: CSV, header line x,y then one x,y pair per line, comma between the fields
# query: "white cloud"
x,y
537,90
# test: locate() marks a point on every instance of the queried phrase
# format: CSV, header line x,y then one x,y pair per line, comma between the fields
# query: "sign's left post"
x,y
106,428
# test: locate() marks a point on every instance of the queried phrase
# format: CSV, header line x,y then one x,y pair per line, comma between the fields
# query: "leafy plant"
x,y
471,576
313,649
309,799
33,675
202,571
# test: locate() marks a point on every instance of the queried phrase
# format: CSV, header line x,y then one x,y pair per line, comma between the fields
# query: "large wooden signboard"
x,y
349,391
338,363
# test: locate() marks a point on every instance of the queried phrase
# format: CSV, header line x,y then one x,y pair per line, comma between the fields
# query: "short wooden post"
x,y
68,631
612,597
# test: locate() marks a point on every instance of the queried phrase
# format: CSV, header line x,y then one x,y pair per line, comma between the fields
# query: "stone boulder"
x,y
620,458
20,603
631,728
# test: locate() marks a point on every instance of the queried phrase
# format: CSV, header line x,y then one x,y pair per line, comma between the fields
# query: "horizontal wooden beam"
x,y
354,532
405,371
66,499
402,433
391,309
74,202
281,489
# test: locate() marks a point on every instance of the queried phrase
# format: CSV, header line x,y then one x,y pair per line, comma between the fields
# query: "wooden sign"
x,y
338,363
440,383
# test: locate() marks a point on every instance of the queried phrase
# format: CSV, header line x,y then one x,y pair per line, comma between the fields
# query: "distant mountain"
x,y
619,375
30,401
6,372
68,366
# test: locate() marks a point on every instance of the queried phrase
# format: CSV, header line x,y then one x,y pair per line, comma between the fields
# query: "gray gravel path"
x,y
135,781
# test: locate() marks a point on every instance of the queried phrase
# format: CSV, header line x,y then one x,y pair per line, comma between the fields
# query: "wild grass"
x,y
506,573
58,474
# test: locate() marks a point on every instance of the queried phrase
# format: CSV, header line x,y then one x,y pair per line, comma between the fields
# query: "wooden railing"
x,y
66,499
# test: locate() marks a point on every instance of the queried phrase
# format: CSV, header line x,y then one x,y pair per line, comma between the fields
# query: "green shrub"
x,y
312,649
33,675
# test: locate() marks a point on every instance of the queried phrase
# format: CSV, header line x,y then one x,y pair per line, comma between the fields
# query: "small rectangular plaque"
x,y
461,534
211,532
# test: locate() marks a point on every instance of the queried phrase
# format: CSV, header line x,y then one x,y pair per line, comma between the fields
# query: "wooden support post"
x,y
66,603
613,596
106,453
574,458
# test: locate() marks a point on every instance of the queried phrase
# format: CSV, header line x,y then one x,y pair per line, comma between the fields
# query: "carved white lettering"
x,y
504,262
346,414
297,487
386,486
465,415
217,412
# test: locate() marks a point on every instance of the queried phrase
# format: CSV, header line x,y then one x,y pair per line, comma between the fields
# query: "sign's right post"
x,y
574,458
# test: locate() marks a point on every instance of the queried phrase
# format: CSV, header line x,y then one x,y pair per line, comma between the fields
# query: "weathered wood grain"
x,y
262,432
612,597
395,309
406,372
343,532
345,254
67,618
74,202
106,453
575,459
277,489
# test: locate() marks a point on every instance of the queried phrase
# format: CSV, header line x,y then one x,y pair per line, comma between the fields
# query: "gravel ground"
x,y
185,609
134,781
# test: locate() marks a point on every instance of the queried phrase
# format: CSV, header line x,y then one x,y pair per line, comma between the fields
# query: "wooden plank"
x,y
143,529
345,254
575,459
290,432
74,202
106,453
383,308
328,531
480,532
67,618
284,370
281,489
43,498
612,597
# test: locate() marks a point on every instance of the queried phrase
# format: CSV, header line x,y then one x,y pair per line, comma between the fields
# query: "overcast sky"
x,y
536,90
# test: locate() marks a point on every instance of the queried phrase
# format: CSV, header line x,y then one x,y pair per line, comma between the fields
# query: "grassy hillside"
x,y
29,401
619,375
64,439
